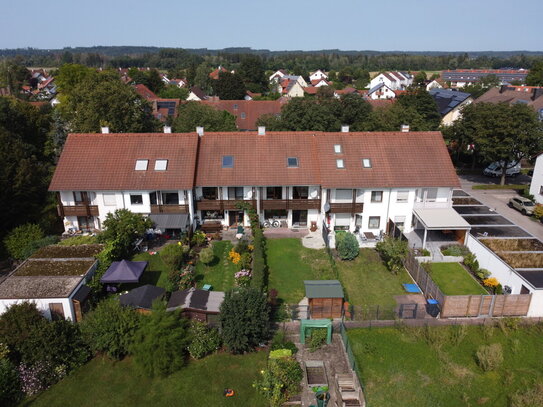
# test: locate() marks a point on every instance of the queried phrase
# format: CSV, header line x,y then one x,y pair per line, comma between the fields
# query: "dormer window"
x,y
292,162
337,148
228,161
141,165
340,163
243,115
366,163
235,107
161,165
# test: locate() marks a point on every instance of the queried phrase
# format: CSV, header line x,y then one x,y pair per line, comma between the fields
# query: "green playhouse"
x,y
307,324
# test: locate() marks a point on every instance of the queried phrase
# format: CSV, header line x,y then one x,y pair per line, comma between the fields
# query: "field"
x,y
453,279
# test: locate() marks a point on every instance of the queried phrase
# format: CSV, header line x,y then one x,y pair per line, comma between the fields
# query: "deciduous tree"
x,y
193,114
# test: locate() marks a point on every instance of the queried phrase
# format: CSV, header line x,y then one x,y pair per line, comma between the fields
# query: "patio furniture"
x,y
207,287
412,288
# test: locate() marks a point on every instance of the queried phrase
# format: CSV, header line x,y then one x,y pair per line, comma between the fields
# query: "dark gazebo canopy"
x,y
142,297
124,271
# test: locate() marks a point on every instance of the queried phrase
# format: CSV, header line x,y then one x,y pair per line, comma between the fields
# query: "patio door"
x,y
299,218
235,218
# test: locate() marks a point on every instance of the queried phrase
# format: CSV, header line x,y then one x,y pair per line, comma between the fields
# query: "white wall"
x,y
537,180
43,306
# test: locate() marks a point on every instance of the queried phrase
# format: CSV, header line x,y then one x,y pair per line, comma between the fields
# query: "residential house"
x,y
196,94
347,91
450,104
291,88
393,80
381,91
318,75
151,174
180,83
277,75
536,186
247,112
529,95
458,78
162,108
434,84
216,73
319,82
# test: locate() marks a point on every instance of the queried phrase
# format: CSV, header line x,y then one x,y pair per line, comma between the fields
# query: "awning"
x,y
441,219
170,221
124,272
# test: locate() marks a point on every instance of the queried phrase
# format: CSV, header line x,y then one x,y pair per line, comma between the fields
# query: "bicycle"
x,y
269,223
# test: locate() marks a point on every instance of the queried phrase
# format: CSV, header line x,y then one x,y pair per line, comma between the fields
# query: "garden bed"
x,y
522,260
220,272
35,267
453,279
513,245
68,252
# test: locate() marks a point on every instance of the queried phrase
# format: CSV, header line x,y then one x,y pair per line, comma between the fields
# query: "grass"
x,y
156,272
497,186
426,367
102,382
220,273
453,279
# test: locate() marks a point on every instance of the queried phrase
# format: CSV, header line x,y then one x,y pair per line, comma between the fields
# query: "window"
x,y
374,222
344,195
170,198
300,192
340,163
342,221
337,148
243,115
209,192
85,224
274,193
141,165
136,199
161,165
377,196
235,193
366,163
109,199
235,107
292,162
402,196
228,161
431,194
78,197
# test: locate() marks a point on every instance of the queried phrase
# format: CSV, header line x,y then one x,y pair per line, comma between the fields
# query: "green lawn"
x,y
156,272
220,273
453,279
399,367
102,382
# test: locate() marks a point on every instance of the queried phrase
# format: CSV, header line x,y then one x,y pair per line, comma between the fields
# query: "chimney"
x,y
105,130
503,88
344,129
405,128
261,130
167,129
200,131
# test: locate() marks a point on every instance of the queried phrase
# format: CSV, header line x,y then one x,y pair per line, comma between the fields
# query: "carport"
x,y
445,220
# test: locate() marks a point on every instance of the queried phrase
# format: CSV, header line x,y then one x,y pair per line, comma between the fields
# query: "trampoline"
x,y
411,288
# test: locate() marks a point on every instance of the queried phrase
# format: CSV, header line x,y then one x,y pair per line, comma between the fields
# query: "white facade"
x,y
318,75
383,92
296,91
277,75
433,85
536,186
394,80
193,97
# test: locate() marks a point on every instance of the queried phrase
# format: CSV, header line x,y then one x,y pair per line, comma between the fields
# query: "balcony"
x,y
169,209
295,204
77,210
221,204
349,207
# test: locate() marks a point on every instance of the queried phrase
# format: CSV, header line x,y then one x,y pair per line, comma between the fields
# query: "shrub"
x,y
455,250
110,328
160,343
491,282
470,261
393,252
10,385
207,255
124,227
242,246
244,317
538,211
317,339
482,274
234,256
280,380
347,246
205,340
246,261
531,397
198,238
489,357
279,341
18,240
34,246
243,278
173,255
260,270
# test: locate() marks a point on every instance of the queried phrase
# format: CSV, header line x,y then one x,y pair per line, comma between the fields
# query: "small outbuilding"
x,y
325,298
124,271
142,298
197,304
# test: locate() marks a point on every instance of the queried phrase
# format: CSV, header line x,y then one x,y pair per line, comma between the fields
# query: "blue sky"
x,y
430,25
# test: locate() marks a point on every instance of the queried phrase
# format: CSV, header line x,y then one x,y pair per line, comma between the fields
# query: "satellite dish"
x,y
250,194
313,193
326,207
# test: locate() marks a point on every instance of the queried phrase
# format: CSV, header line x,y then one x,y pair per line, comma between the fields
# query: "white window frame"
x,y
161,165
141,165
402,196
109,199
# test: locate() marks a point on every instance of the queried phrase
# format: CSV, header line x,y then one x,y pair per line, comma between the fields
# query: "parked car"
x,y
522,204
495,169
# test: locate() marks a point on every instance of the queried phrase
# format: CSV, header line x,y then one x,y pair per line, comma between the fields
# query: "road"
x,y
497,199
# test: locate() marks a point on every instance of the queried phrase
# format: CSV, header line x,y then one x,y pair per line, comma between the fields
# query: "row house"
x,y
458,78
345,180
392,80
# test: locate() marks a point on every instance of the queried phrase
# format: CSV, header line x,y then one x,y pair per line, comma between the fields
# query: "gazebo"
x,y
124,271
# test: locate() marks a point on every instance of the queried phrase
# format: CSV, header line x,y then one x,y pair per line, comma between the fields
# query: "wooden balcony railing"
x,y
220,204
295,204
77,210
169,208
348,207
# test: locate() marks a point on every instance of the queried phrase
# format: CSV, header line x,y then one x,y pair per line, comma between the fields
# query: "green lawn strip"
x,y
290,263
453,279
368,282
399,367
156,272
220,273
102,382
496,186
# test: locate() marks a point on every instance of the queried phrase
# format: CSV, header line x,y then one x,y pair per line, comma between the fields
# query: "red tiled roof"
x,y
95,162
145,92
380,103
253,109
216,72
312,90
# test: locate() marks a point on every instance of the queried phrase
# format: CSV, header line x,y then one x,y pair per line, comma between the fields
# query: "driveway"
x,y
497,199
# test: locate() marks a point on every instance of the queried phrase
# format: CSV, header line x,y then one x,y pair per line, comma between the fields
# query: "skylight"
x,y
161,165
141,165
337,148
228,161
340,163
366,163
292,161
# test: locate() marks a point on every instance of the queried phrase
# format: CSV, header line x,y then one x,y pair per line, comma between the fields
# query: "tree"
x,y
10,384
272,122
355,111
172,255
252,71
244,316
391,119
305,114
161,342
110,328
201,77
71,75
207,255
18,240
174,92
124,227
535,76
193,114
424,104
490,81
420,79
500,132
154,81
13,74
229,86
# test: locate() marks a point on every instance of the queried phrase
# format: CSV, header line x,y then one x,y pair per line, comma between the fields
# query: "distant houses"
x,y
458,78
450,104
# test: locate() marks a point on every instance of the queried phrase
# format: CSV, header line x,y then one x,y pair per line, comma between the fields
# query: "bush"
x,y
110,328
538,211
34,246
531,397
489,357
10,385
198,238
347,246
124,227
393,252
205,340
455,250
173,255
244,317
470,261
482,274
17,241
207,255
317,339
280,380
160,343
260,270
279,341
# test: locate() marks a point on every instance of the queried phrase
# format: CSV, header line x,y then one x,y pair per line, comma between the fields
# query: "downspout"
x,y
388,206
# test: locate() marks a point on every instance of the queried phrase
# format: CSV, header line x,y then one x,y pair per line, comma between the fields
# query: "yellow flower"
x,y
251,247
491,282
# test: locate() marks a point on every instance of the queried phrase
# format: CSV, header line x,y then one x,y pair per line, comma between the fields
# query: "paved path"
x,y
497,199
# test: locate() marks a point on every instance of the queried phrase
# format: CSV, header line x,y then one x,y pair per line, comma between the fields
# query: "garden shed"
x,y
325,298
201,305
141,298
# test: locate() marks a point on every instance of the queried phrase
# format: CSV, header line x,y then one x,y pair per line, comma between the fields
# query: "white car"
x,y
495,169
522,204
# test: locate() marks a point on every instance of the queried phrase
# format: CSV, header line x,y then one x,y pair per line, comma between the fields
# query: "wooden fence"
x,y
458,306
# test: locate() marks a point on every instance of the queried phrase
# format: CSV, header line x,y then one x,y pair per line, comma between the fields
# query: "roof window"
x,y
161,165
366,163
228,161
292,162
340,163
337,148
141,165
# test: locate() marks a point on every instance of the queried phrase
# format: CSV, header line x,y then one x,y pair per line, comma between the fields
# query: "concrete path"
x,y
313,240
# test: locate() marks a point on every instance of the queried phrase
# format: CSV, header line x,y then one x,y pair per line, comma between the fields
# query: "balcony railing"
x,y
295,204
169,208
221,204
349,207
77,210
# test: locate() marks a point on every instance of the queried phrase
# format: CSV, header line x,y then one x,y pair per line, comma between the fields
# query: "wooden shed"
x,y
325,298
201,305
